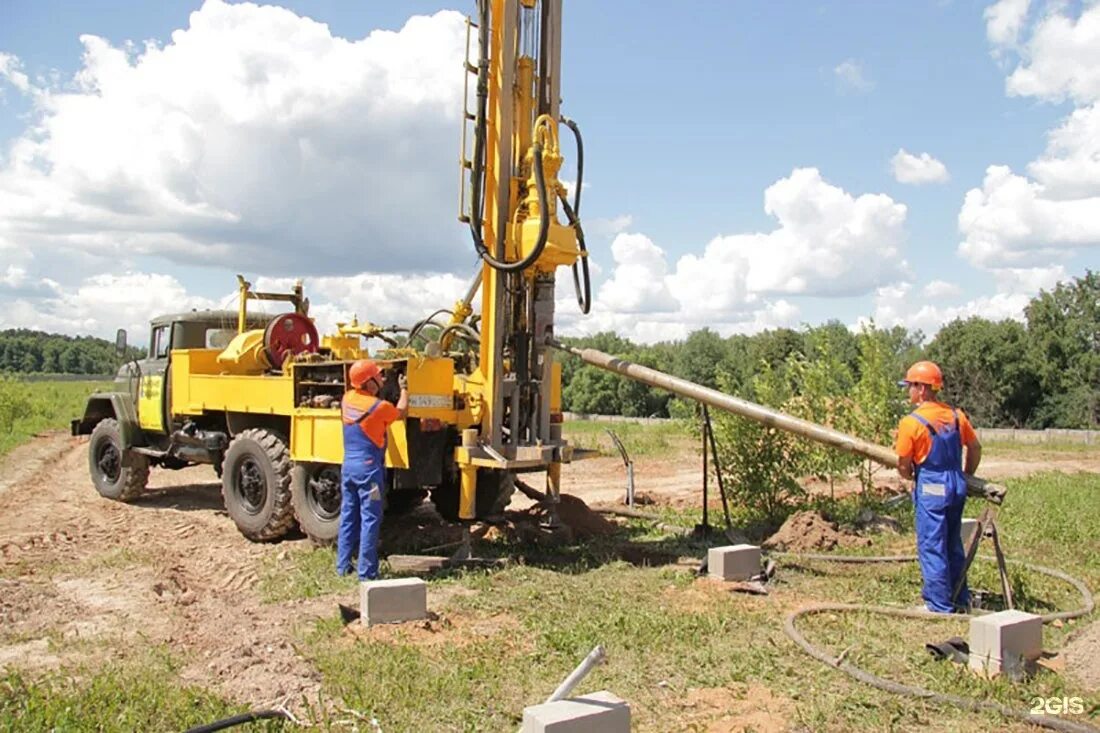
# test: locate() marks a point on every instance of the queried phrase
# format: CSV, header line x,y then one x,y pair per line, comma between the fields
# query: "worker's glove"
x,y
402,381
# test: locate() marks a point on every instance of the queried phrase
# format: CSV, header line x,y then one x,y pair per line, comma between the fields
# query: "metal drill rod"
x,y
758,413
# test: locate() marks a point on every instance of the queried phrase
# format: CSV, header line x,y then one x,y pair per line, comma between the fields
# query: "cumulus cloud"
x,y
1041,219
253,136
11,71
851,76
917,169
899,305
827,242
938,289
1004,20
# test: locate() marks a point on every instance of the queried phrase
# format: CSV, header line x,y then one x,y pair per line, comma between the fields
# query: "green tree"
x,y
761,465
987,370
1063,329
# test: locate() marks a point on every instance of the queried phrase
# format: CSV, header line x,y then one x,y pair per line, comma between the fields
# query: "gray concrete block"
x,y
969,527
392,601
733,562
599,712
1005,642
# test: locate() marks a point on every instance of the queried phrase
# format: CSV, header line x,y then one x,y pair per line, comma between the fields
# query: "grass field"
x,y
685,652
28,407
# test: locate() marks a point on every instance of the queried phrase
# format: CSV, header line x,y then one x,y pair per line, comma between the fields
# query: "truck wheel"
x,y
315,493
105,452
494,492
256,484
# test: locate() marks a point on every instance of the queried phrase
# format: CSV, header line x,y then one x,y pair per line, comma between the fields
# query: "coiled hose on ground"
x,y
896,688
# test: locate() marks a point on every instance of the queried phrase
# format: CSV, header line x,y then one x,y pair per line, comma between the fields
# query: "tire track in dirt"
x,y
170,567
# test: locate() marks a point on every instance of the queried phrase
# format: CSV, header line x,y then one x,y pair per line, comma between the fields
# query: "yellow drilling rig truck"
x,y
259,398
261,402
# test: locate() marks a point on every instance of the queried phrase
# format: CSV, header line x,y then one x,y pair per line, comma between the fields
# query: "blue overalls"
x,y
362,479
939,496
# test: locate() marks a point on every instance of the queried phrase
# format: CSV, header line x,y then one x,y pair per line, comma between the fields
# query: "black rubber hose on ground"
x,y
250,717
896,688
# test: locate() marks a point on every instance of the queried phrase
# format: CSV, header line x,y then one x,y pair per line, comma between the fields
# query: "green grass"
x,y
1009,448
128,696
667,633
27,407
652,440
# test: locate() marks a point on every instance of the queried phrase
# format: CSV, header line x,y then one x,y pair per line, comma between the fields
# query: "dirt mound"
x,y
807,530
574,514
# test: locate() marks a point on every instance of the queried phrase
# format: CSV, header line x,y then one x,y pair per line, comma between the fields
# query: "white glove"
x,y
402,381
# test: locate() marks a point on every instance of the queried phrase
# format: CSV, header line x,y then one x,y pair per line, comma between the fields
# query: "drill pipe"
x,y
758,413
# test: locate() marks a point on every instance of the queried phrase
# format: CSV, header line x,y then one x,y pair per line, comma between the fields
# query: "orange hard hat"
x,y
924,372
362,372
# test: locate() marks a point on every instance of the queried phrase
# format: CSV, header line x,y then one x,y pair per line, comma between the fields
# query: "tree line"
x,y
23,351
1043,372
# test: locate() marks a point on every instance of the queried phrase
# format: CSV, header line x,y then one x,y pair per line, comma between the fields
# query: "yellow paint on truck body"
x,y
150,403
201,385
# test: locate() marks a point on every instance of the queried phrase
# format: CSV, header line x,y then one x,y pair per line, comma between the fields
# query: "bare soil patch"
x,y
1082,657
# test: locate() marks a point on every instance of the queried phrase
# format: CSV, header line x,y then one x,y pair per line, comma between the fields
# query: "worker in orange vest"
x,y
930,447
363,475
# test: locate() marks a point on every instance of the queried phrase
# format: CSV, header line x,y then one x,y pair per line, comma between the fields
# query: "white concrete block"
x,y
1005,642
599,712
392,601
969,527
733,562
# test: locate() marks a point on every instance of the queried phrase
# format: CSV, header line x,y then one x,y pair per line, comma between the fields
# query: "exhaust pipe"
x,y
758,413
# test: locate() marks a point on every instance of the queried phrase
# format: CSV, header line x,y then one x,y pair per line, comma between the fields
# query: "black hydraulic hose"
x,y
477,176
580,269
790,629
580,162
582,281
250,717
415,330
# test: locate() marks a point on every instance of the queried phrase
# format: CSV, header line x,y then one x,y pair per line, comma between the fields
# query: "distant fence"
x,y
581,417
1035,437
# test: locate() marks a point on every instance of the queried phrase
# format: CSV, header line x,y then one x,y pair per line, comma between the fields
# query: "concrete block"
x,y
1005,642
599,712
392,601
733,562
969,527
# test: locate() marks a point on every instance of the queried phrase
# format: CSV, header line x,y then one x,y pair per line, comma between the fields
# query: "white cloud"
x,y
898,305
637,284
252,136
1004,20
1010,221
827,243
10,69
851,75
1018,221
918,169
102,303
608,227
940,289
1061,58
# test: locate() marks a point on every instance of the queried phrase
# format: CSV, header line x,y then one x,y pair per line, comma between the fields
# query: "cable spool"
x,y
289,334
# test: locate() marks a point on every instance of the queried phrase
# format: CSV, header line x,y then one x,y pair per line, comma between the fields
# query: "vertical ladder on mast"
x,y
466,164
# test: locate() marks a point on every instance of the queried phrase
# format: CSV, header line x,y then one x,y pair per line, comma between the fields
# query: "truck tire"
x,y
113,480
494,492
315,494
256,484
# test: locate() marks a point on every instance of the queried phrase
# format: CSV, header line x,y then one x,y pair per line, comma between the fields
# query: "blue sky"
x,y
690,113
